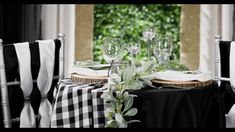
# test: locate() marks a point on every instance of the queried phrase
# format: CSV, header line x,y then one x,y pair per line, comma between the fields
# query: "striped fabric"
x,y
16,93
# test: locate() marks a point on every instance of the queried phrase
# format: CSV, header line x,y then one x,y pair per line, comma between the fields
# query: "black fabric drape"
x,y
227,92
20,22
10,23
14,92
179,108
31,22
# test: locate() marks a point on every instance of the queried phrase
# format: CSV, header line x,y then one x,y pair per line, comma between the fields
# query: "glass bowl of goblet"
x,y
113,49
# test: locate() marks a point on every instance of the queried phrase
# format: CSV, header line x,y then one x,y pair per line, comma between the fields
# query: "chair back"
x,y
222,57
13,99
223,77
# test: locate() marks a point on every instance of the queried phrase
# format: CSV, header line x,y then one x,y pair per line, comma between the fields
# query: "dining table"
x,y
158,107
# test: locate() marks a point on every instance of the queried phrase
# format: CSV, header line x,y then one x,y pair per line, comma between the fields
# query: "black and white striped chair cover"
x,y
29,72
225,75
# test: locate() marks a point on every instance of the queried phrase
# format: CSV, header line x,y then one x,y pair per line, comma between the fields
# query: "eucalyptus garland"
x,y
118,99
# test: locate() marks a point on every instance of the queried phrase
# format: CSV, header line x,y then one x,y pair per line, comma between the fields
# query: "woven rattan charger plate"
x,y
89,79
156,82
181,84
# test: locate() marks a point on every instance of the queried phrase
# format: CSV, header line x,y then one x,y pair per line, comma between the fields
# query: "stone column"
x,y
189,36
84,32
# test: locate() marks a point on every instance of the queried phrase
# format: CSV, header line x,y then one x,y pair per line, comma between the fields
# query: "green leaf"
x,y
125,95
128,73
176,65
112,124
113,104
134,85
106,96
110,121
115,79
108,115
119,118
146,80
119,107
131,112
148,67
133,121
123,125
128,103
111,110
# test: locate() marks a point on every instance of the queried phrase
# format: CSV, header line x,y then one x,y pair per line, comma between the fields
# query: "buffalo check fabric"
x,y
98,108
76,106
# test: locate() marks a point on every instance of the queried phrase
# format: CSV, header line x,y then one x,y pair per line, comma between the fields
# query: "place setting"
x,y
162,70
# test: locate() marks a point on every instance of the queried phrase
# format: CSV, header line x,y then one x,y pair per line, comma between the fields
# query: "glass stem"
x,y
111,67
133,60
149,49
134,55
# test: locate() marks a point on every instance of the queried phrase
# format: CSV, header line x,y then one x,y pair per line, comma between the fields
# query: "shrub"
x,y
127,21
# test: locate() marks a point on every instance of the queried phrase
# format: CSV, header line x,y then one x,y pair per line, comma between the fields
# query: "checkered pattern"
x,y
98,109
74,106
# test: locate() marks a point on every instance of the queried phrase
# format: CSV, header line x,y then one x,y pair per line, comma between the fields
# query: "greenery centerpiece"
x,y
118,98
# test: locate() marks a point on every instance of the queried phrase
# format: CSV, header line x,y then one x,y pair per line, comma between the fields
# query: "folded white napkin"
x,y
230,118
90,72
45,77
170,75
27,115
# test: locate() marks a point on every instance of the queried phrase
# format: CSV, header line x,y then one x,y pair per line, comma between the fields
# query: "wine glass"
x,y
133,49
162,49
149,34
113,49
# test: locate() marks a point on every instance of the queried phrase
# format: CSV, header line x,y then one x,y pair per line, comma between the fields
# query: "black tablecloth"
x,y
179,108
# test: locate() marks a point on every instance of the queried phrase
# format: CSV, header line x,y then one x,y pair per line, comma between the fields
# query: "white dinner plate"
x,y
181,76
98,66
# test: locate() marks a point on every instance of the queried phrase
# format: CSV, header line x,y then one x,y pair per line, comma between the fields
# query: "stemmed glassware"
x,y
162,49
112,52
149,34
160,46
133,49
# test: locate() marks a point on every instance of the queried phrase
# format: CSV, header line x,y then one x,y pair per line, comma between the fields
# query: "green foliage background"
x,y
127,21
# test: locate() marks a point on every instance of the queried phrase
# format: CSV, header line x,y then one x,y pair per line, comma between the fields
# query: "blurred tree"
x,y
127,21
